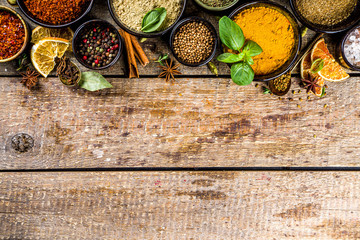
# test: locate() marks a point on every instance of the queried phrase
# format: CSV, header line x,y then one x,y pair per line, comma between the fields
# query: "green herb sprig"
x,y
153,20
162,58
232,36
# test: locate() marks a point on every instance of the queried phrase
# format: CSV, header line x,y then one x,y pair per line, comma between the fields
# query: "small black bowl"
x,y
186,21
29,15
297,36
85,26
343,60
342,26
142,34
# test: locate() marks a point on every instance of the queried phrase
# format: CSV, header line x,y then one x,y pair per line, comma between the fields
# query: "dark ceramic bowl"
x,y
342,26
27,34
188,20
216,9
29,15
343,60
297,36
142,34
77,40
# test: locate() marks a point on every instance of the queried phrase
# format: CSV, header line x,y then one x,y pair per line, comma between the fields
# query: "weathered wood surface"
x,y
173,205
155,47
193,123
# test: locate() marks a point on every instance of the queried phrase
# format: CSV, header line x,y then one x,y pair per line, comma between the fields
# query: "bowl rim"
x,y
307,24
298,47
140,34
190,19
24,10
342,47
84,25
27,37
216,9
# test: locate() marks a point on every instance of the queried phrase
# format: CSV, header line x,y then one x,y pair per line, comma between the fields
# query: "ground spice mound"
x,y
273,32
12,34
326,12
56,11
131,12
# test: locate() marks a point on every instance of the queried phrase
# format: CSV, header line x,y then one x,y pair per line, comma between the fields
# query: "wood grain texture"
x,y
174,205
193,123
156,46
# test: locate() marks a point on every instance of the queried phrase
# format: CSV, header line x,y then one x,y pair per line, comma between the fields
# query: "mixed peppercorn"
x,y
12,34
56,11
98,46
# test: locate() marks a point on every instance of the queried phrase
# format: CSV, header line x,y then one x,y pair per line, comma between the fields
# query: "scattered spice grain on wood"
x,y
326,12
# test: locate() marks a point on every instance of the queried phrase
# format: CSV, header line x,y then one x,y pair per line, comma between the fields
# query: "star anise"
x,y
30,78
311,83
169,70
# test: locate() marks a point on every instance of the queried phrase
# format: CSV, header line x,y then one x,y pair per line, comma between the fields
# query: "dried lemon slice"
x,y
44,52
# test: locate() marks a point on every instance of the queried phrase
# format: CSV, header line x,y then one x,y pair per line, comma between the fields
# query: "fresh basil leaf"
x,y
93,81
242,73
252,49
230,57
322,92
317,65
153,20
249,60
231,34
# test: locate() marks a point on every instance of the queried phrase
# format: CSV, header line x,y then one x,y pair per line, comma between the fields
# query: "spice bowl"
x,y
66,80
346,59
135,10
38,16
21,47
220,8
193,41
97,44
343,25
282,64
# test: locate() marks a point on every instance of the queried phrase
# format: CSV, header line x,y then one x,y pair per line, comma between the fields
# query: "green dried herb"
x,y
93,81
266,90
317,65
153,20
23,62
162,58
213,68
304,31
323,92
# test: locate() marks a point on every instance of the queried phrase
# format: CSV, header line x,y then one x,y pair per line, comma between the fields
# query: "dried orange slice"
x,y
332,71
40,33
44,52
307,74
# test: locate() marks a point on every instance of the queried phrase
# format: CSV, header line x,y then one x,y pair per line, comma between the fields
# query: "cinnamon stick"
x,y
139,52
133,69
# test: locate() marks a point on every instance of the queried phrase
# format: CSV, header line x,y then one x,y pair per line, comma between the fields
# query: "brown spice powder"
x,y
326,12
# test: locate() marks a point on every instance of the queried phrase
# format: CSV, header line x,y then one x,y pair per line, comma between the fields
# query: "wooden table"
x,y
200,159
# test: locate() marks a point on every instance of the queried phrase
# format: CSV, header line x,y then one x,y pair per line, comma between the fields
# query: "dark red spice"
x,y
12,34
56,11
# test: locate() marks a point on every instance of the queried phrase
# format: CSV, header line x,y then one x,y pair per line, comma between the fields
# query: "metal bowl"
x,y
342,26
29,15
142,34
297,36
27,37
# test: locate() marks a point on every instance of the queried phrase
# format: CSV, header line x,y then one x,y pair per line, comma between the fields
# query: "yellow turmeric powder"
x,y
273,32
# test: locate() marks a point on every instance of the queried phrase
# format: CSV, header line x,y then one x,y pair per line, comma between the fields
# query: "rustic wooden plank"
x,y
180,205
157,46
192,123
